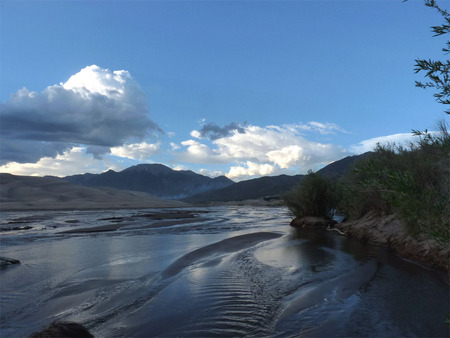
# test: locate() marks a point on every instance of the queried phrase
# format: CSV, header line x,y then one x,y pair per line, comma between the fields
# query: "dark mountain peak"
x,y
337,168
187,172
223,179
155,179
150,168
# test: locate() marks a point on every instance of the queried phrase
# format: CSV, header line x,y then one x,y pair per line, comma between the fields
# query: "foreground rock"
x,y
387,230
6,261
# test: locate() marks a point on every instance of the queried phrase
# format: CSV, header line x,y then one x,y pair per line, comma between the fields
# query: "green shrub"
x,y
412,182
314,196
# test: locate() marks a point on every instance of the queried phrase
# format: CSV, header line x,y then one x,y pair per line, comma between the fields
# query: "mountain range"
x,y
163,182
271,186
146,186
154,179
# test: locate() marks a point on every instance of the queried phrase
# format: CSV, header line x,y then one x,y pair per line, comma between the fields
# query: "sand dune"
x,y
51,193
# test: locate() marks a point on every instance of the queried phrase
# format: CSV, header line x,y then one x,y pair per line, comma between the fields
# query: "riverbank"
x,y
388,230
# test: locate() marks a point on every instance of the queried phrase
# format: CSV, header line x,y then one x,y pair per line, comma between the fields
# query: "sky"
x,y
237,88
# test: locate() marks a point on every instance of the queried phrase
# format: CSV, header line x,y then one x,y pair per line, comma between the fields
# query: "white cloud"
x,y
251,169
265,150
370,144
71,162
286,157
180,167
211,173
196,134
95,80
326,128
96,107
136,151
200,153
174,146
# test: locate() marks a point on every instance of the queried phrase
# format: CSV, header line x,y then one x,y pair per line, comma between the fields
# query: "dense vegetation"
x,y
314,196
412,182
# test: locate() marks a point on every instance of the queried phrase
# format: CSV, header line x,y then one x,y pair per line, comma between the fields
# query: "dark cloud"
x,y
97,151
23,151
213,132
35,125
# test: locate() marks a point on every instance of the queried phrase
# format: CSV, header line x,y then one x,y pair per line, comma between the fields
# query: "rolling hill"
x,y
51,193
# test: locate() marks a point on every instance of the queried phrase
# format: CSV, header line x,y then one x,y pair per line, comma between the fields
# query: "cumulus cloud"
x,y
200,153
96,107
251,169
70,162
263,150
136,151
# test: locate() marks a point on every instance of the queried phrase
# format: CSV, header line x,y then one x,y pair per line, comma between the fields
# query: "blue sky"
x,y
242,88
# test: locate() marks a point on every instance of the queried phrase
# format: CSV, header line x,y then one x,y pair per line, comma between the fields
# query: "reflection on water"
x,y
234,271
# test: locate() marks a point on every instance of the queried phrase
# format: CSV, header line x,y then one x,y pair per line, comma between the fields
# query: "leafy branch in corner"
x,y
437,71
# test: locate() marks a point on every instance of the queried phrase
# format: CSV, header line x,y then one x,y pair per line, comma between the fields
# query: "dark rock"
x,y
309,222
6,261
27,227
332,223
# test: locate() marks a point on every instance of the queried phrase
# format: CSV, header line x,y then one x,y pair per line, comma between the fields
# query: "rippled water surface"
x,y
230,271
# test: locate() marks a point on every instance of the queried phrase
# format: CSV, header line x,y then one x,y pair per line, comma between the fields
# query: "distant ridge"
x,y
154,179
52,193
338,168
271,186
185,185
267,186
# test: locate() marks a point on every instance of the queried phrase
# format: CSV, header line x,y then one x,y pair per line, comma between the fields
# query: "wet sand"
x,y
165,219
228,245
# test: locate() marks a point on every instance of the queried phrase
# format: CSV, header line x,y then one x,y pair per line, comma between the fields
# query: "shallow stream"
x,y
229,271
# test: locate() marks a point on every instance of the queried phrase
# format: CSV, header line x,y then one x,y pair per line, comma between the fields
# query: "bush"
x,y
412,182
314,196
